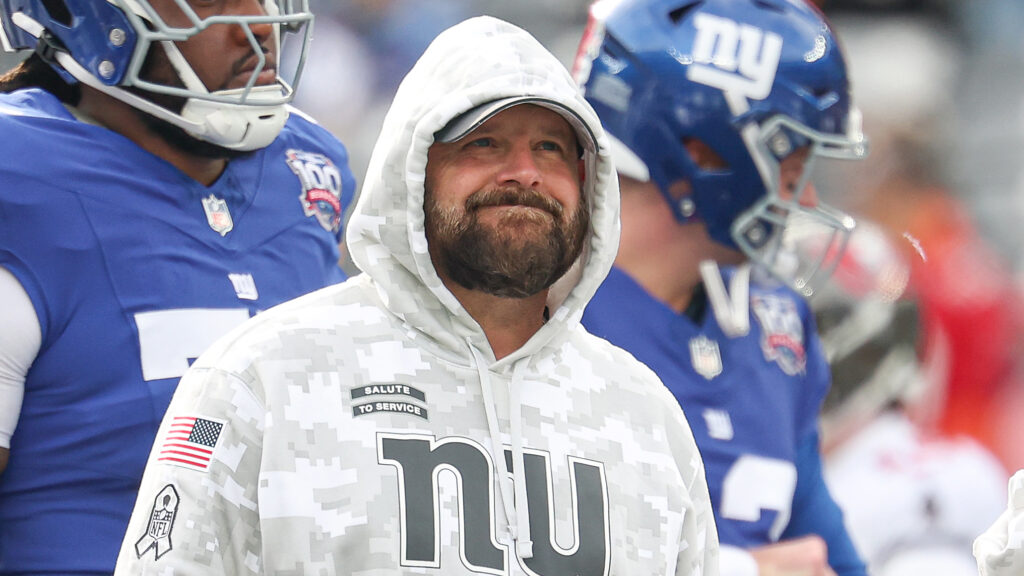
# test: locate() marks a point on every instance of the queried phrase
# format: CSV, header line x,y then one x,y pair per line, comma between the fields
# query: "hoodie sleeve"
x,y
699,548
197,511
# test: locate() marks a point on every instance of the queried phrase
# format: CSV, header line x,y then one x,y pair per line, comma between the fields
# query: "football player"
x,y
442,413
718,111
914,496
156,191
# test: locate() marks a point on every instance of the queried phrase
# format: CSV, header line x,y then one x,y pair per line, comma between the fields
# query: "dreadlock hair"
x,y
34,72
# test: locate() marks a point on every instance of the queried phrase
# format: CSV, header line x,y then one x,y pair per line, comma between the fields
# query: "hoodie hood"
x,y
475,62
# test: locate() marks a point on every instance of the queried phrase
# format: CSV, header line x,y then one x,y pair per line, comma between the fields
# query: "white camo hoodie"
x,y
368,429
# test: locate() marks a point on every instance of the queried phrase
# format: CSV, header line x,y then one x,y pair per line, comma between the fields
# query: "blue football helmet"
x,y
104,44
753,80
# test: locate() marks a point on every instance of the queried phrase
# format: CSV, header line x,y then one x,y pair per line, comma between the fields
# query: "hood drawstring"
x,y
512,486
524,545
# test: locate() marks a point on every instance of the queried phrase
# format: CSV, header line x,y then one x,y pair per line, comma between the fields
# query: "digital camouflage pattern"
x,y
355,436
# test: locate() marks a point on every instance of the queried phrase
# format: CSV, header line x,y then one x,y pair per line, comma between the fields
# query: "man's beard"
x,y
179,138
158,69
520,256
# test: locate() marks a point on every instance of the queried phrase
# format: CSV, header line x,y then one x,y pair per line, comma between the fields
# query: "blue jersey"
x,y
133,269
752,401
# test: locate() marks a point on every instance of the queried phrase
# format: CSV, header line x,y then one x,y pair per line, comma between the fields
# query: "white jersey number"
x,y
169,339
755,483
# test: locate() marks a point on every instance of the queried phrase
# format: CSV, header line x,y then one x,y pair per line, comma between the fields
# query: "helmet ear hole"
x,y
679,14
704,156
58,11
822,92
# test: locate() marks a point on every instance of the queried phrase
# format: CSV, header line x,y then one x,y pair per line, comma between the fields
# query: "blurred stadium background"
x,y
947,71
945,75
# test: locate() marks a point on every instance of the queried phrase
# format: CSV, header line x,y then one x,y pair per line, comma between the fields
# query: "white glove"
x,y
1000,549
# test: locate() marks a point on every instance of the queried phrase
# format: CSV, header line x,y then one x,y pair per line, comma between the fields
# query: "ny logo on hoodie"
x,y
419,457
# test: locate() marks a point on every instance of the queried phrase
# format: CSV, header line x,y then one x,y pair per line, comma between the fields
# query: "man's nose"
x,y
263,30
520,166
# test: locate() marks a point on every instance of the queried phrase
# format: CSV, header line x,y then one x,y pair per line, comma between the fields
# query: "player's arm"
x,y
803,556
197,510
816,512
20,340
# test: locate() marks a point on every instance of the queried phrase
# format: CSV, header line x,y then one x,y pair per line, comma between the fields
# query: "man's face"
x,y
222,56
504,208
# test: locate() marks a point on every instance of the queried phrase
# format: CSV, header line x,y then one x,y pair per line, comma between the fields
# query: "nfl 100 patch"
x,y
782,332
321,187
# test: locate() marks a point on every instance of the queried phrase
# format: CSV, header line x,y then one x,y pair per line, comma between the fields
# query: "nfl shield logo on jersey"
x,y
705,356
321,187
217,215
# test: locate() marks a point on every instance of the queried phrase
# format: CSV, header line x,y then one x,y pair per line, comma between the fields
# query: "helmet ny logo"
x,y
736,58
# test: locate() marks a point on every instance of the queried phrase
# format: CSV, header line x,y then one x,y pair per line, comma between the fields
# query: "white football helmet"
x,y
870,330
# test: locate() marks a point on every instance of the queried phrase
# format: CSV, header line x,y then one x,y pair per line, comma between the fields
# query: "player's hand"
x,y
1000,549
805,556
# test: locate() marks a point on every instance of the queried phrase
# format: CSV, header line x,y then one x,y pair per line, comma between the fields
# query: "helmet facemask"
x,y
108,44
798,239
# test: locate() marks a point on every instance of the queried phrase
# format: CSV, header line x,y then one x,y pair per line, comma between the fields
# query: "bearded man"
x,y
444,412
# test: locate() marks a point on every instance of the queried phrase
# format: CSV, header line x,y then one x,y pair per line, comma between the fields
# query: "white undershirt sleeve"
x,y
736,561
20,339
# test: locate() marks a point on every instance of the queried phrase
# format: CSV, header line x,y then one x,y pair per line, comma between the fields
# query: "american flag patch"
x,y
190,442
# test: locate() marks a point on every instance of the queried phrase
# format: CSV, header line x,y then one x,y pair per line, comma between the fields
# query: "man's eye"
x,y
551,146
481,142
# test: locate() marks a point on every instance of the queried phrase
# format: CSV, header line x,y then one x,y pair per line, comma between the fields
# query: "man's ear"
x,y
581,168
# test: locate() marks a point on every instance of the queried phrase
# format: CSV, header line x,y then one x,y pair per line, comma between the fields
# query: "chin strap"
x,y
232,126
731,307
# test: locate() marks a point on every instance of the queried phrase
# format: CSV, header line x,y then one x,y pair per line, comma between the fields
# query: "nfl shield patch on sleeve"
x,y
161,521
